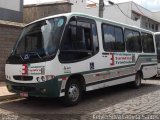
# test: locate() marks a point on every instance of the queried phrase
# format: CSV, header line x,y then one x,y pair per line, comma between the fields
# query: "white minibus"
x,y
66,54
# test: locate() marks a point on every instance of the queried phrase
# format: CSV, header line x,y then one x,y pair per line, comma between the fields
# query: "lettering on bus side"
x,y
121,58
92,66
67,70
112,59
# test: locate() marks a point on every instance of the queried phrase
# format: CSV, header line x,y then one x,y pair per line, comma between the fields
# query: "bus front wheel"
x,y
137,82
73,93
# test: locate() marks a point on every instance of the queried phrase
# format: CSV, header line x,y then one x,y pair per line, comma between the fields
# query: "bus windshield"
x,y
40,39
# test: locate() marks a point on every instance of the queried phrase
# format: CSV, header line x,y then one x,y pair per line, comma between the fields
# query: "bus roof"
x,y
92,17
157,33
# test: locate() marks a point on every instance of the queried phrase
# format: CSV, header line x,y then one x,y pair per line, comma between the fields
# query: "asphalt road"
x,y
98,101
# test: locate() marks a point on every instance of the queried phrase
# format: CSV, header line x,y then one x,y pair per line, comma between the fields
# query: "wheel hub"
x,y
73,92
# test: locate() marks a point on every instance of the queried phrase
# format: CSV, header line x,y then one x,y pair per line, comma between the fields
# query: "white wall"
x,y
120,13
157,16
110,12
92,11
10,4
114,13
80,6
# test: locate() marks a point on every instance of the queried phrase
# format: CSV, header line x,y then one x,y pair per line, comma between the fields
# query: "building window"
x,y
152,26
156,27
135,16
146,25
113,39
133,41
149,25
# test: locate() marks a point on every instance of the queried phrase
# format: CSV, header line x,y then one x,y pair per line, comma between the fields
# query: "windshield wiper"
x,y
35,53
21,57
28,53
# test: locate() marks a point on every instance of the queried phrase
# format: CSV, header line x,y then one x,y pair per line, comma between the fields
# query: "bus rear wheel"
x,y
137,82
73,93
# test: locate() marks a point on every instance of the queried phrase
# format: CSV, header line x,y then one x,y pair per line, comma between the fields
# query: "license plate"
x,y
23,94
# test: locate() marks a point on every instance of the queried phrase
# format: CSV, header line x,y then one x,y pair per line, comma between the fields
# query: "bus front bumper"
x,y
50,88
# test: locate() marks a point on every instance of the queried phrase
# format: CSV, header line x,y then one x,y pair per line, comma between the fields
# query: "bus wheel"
x,y
30,98
137,82
73,93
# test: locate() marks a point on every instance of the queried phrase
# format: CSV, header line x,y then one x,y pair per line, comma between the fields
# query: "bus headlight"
x,y
43,79
8,77
43,90
38,79
49,77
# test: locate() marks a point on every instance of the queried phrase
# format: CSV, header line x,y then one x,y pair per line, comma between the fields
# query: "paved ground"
x,y
110,103
3,89
4,94
146,106
2,84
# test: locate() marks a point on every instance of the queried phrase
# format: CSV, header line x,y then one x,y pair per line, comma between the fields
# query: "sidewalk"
x,y
5,94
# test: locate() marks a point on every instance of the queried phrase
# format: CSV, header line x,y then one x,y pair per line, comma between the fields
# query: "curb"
x,y
6,97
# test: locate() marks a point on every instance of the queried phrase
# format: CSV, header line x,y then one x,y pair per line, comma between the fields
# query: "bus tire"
x,y
137,82
31,98
73,93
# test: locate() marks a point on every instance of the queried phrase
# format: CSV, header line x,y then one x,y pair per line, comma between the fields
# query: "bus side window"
x,y
133,41
157,38
69,36
95,38
147,42
77,43
84,36
113,39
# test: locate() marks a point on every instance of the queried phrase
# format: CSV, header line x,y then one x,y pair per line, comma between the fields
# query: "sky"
x,y
153,5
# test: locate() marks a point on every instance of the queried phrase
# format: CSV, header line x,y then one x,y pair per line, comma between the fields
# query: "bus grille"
x,y
24,88
23,78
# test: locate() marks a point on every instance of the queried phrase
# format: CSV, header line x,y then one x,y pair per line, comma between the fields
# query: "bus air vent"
x,y
23,78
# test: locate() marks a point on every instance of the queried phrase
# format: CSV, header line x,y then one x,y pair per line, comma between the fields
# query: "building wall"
x,y
110,12
80,6
120,13
157,14
128,13
34,12
149,24
11,11
9,34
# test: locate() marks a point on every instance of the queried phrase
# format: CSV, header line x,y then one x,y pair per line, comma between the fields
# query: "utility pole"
x,y
101,8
